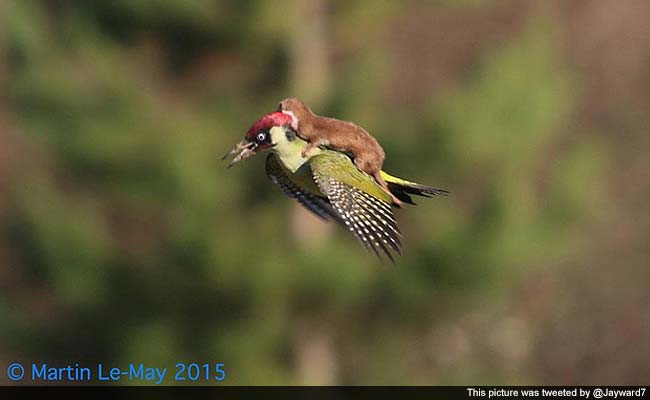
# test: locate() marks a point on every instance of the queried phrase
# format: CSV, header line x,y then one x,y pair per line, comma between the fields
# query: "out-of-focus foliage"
x,y
125,239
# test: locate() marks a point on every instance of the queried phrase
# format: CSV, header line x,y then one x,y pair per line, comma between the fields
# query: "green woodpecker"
x,y
329,183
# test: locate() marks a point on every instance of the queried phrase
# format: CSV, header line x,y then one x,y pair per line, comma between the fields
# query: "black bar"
x,y
341,392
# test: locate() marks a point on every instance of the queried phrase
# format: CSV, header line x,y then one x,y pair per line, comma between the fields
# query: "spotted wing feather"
x,y
370,220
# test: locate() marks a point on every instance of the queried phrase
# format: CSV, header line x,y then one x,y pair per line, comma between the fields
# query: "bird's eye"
x,y
261,137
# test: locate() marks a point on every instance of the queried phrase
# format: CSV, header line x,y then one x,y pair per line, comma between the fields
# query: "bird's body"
x,y
367,153
290,153
330,184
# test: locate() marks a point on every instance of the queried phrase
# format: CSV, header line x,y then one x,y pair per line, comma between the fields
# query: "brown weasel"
x,y
340,135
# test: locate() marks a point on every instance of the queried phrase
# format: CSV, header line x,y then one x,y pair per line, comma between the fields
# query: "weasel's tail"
x,y
402,188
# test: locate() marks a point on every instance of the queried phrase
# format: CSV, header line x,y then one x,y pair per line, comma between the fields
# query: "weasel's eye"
x,y
261,136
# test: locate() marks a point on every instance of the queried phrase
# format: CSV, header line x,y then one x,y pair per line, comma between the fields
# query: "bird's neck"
x,y
288,147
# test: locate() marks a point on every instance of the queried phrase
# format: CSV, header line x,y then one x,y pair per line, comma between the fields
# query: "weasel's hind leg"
x,y
373,168
382,183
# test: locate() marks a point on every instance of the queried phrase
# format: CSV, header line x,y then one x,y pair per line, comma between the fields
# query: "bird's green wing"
x,y
316,204
339,166
366,212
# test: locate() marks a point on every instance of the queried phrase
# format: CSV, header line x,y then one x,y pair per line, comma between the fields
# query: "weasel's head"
x,y
295,108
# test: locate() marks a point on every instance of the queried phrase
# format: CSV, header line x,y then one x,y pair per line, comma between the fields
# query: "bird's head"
x,y
263,135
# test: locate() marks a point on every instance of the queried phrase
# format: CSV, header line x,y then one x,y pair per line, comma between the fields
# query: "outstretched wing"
x,y
318,205
370,219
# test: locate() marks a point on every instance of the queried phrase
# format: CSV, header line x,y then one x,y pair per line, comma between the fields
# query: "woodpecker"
x,y
329,183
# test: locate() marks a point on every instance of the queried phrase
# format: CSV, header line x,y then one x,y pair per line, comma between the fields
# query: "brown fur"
x,y
340,135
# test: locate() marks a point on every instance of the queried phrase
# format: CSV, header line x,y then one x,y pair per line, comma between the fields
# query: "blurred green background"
x,y
124,238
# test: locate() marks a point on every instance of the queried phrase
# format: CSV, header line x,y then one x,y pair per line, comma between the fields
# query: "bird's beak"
x,y
241,151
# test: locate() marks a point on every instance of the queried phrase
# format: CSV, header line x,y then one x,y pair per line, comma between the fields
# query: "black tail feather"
x,y
402,192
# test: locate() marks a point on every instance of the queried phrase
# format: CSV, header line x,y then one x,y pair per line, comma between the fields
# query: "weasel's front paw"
x,y
305,152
